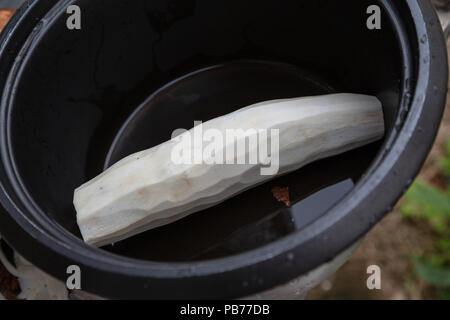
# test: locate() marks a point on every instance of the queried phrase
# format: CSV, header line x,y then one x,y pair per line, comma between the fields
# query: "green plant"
x,y
427,203
445,161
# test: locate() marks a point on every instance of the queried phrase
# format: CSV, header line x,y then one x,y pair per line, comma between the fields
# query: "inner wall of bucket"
x,y
82,103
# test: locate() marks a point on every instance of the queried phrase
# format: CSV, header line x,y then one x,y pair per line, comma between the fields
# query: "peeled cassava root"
x,y
148,189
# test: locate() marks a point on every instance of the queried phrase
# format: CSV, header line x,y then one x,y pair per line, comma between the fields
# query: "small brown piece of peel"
x,y
282,195
5,15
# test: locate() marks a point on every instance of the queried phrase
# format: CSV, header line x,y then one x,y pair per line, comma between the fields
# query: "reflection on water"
x,y
306,210
282,222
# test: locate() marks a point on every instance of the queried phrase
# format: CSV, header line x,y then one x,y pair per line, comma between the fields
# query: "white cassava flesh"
x,y
147,190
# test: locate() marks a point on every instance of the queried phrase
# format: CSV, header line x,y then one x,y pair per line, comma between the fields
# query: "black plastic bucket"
x,y
75,101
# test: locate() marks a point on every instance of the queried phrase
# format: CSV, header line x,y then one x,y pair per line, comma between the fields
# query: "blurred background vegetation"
x,y
429,203
411,244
